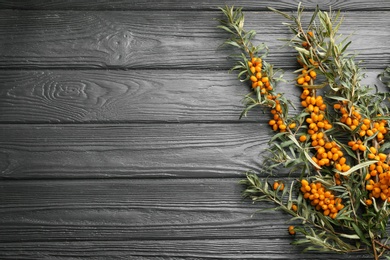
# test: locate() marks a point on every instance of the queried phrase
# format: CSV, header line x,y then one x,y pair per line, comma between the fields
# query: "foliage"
x,y
338,143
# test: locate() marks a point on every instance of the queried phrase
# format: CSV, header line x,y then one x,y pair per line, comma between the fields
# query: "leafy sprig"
x,y
359,224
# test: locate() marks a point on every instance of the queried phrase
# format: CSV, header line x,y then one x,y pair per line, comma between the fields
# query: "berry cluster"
x,y
259,79
322,199
257,76
328,153
352,118
378,178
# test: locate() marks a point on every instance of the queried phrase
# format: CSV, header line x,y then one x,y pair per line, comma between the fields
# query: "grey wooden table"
x,y
119,131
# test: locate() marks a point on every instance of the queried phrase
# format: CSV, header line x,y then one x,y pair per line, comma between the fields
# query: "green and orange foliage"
x,y
336,147
322,199
252,67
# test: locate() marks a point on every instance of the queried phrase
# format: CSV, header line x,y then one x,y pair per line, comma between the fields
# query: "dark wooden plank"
x,y
105,210
257,248
192,218
361,5
118,96
66,96
131,151
171,39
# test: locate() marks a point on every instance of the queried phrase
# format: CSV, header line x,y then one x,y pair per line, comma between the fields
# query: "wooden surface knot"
x,y
119,45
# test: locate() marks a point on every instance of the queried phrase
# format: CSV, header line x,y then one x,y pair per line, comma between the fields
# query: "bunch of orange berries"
x,y
353,119
378,178
322,199
277,121
260,79
328,153
258,76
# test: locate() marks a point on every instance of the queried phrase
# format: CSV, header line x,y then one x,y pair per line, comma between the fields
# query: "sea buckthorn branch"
x,y
263,191
252,67
359,108
345,182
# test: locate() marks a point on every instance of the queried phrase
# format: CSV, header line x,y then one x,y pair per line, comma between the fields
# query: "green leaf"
x,y
289,17
302,50
357,167
360,233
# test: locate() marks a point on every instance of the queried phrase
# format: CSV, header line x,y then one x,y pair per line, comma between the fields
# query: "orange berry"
x,y
382,157
253,78
320,124
328,126
342,160
345,168
355,146
292,125
337,106
294,207
366,121
300,80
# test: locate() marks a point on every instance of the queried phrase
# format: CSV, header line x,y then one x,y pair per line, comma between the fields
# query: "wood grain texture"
x,y
184,218
131,210
260,248
131,151
119,134
171,39
64,96
348,5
